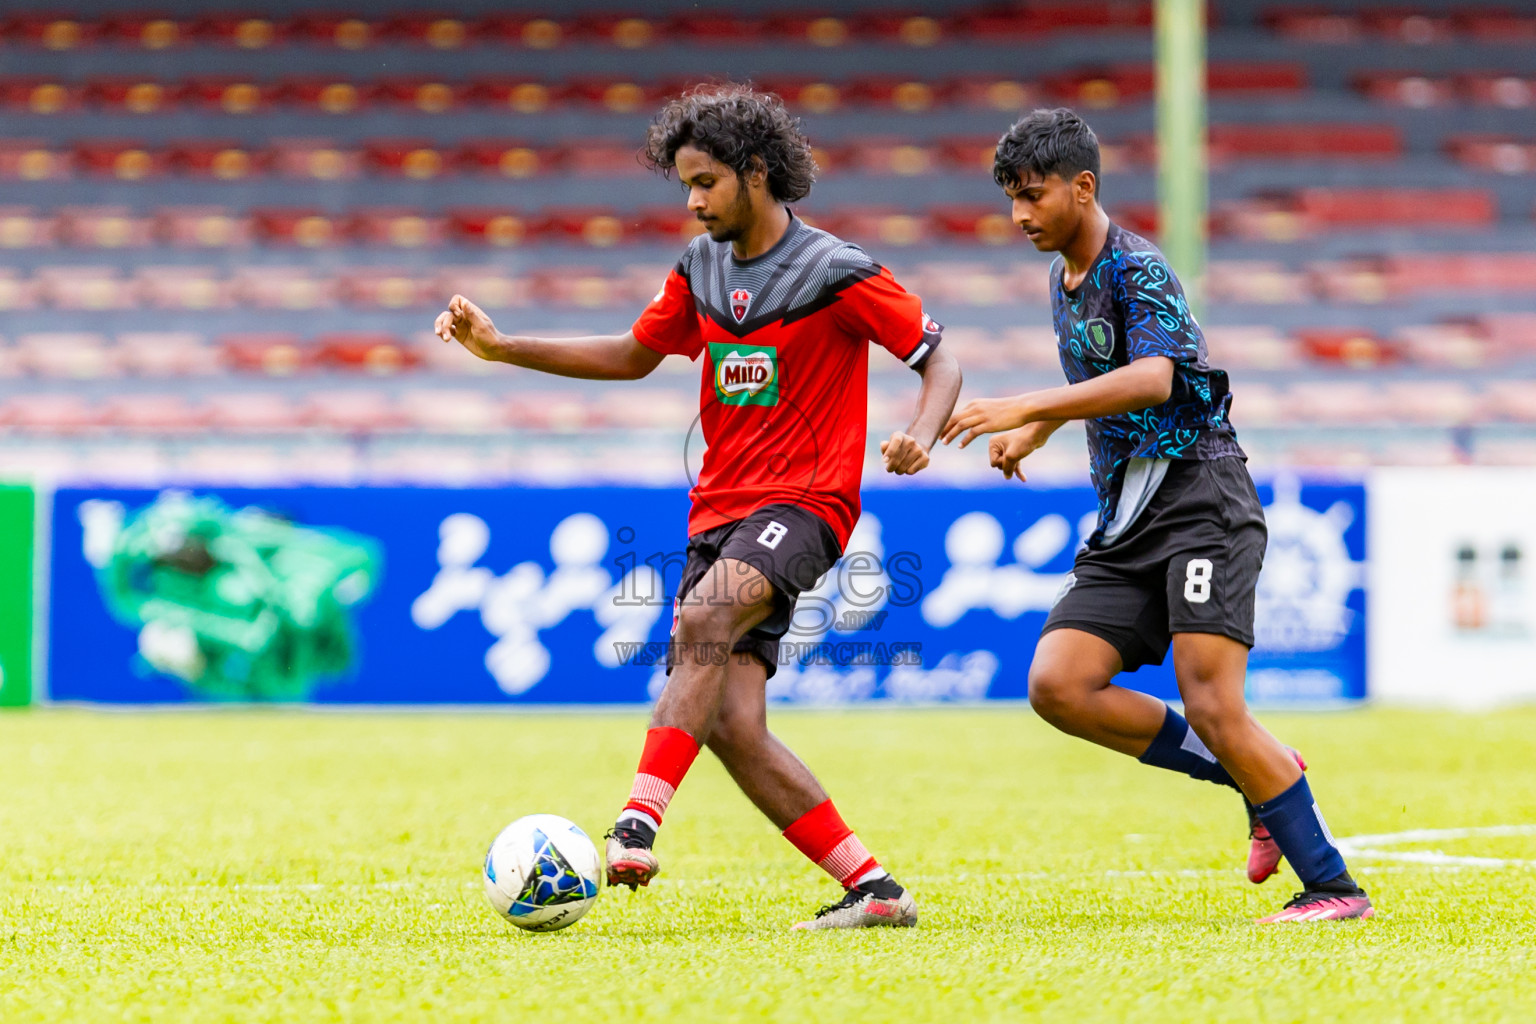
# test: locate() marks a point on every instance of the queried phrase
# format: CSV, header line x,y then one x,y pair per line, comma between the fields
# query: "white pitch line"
x,y
1365,846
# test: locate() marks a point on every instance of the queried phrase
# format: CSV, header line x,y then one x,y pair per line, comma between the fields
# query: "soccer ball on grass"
x,y
542,873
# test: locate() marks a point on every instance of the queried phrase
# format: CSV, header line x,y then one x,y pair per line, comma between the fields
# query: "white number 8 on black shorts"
x,y
1189,564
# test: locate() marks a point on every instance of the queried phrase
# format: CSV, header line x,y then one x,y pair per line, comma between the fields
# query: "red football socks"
x,y
823,836
668,755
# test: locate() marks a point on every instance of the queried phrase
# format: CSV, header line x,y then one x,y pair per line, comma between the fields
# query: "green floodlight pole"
x,y
1181,163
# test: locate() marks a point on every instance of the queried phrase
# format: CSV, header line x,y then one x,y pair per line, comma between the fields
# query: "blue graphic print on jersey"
x,y
1130,306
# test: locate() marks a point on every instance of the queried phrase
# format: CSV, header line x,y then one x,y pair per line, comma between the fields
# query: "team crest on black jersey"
x,y
1101,337
740,300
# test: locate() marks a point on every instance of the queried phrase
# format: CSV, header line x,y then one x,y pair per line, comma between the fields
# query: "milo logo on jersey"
x,y
745,374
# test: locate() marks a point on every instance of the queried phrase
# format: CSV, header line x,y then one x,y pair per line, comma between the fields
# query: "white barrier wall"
x,y
1451,583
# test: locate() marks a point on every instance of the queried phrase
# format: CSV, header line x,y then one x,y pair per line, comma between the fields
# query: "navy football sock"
x,y
1177,748
1299,830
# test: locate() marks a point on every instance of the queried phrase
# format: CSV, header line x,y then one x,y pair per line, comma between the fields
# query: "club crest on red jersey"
x,y
740,300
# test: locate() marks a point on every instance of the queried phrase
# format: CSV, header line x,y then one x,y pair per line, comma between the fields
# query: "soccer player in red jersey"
x,y
781,315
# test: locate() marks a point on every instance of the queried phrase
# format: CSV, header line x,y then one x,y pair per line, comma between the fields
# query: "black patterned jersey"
x,y
1130,306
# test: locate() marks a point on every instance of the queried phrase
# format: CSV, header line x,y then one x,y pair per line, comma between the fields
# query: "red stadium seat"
x,y
16,292
669,225
346,32
602,158
1338,403
221,159
712,29
396,227
910,96
325,95
41,95
1433,403
910,28
419,159
202,227
524,95
886,156
273,354
491,226
257,413
424,95
132,95
989,224
155,414
1259,348
453,411
1512,333
1501,154
1305,141
295,288
1515,92
182,287
1460,345
814,96
1402,90
549,410
1416,28
50,32
624,31
619,96
242,32
1441,207
530,31
819,30
508,158
51,413
370,352
1255,281
581,287
229,94
306,227
124,159
147,31
1513,400
382,288
22,228
84,288
436,31
599,227
33,160
167,354
489,287
884,225
354,412
1497,26
1357,348
647,409
68,354
320,159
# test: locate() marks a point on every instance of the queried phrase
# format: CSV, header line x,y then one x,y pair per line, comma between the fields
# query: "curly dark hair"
x,y
1046,142
738,126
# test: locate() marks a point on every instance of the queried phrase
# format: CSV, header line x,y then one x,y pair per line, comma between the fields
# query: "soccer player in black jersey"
x,y
1180,537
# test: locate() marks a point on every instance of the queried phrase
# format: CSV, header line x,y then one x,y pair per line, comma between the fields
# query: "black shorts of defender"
x,y
791,547
1189,564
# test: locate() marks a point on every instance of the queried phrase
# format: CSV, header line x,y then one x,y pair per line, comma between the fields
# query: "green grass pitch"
x,y
271,866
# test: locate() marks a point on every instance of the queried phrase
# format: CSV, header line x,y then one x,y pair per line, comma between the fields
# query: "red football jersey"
x,y
783,395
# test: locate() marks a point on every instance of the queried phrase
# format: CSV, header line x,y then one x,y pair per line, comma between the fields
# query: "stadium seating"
x,y
273,203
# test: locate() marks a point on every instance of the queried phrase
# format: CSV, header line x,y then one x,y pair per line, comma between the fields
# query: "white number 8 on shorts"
x,y
1197,581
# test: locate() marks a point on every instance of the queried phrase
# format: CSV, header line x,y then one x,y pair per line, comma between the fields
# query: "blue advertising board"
x,y
564,595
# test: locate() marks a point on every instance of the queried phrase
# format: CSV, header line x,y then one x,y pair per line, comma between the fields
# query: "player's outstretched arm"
x,y
1007,450
1140,385
605,357
906,451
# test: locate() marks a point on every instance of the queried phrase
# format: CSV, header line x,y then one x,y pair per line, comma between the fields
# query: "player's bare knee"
x,y
1055,696
708,621
1218,725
